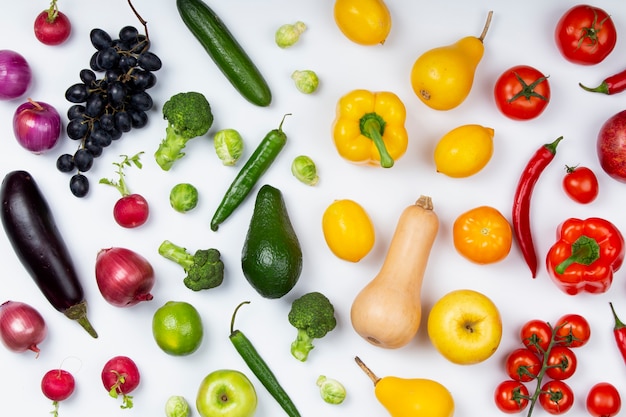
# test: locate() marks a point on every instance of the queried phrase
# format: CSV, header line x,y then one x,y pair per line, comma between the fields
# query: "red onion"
x,y
37,126
21,327
124,277
15,75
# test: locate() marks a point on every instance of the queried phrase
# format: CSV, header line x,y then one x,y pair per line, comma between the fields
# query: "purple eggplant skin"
x,y
33,234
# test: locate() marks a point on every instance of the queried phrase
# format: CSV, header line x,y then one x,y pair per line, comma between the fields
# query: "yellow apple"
x,y
465,326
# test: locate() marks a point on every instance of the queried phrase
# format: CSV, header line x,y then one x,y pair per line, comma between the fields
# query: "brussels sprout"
x,y
228,146
287,35
183,197
304,169
306,81
331,390
177,406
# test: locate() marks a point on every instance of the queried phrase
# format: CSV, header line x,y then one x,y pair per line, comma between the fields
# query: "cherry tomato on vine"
x,y
580,184
536,335
523,365
603,400
572,330
482,235
585,35
556,397
511,396
562,362
522,92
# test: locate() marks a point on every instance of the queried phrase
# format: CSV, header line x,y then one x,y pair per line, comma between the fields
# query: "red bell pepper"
x,y
586,255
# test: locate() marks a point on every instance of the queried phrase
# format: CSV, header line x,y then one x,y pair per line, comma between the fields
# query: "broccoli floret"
x,y
314,316
204,268
189,116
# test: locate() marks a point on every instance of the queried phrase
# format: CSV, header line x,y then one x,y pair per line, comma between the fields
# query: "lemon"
x,y
464,150
177,328
348,230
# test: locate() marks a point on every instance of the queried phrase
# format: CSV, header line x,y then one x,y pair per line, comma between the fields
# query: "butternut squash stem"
x,y
424,202
367,370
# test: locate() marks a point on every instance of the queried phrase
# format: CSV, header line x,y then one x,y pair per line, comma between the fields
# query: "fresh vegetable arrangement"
x,y
283,245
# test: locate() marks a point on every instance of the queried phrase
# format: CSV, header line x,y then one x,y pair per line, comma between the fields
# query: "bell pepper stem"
x,y
585,251
372,127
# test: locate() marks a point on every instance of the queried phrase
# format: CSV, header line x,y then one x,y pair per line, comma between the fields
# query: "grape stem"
x,y
143,22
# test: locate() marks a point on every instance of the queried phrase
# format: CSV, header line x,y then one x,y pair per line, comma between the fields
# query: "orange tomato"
x,y
482,235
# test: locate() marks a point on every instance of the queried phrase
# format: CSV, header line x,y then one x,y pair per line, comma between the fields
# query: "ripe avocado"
x,y
271,258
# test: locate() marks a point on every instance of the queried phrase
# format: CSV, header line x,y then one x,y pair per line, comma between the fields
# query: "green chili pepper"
x,y
260,368
260,160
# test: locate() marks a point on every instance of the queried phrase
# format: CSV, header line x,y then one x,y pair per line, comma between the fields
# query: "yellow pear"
x,y
443,77
410,397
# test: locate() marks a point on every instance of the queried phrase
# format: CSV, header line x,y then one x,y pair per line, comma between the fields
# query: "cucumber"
x,y
225,51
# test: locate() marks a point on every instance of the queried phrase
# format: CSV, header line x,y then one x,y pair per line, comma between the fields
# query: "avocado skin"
x,y
271,258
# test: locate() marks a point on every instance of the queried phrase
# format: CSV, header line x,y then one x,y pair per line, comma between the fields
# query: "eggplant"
x,y
33,233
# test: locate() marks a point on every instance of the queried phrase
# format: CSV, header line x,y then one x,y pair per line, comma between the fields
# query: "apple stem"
x,y
367,370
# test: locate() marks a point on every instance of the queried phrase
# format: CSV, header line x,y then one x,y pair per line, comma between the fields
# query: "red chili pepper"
x,y
586,255
611,85
619,331
521,203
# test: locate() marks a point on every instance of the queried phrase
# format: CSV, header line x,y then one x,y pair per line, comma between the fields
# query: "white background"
x,y
520,33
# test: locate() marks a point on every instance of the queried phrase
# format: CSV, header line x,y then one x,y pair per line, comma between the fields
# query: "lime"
x,y
464,150
177,328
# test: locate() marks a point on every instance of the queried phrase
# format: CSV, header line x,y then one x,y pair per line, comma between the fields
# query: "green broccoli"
x,y
204,268
189,116
314,316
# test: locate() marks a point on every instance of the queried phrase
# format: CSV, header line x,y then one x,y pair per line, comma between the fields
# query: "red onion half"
x,y
37,126
22,328
15,75
123,276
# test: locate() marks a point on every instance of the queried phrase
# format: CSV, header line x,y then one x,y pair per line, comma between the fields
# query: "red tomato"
x,y
522,92
585,35
603,400
536,335
511,396
556,397
523,365
562,362
580,184
572,330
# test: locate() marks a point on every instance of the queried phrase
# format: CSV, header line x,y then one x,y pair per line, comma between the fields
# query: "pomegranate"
x,y
611,146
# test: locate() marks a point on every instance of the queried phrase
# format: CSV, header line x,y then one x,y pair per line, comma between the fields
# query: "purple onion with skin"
x,y
22,328
15,75
37,126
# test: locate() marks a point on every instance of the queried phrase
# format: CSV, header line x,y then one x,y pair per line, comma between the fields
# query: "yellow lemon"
x,y
366,22
464,150
177,328
348,230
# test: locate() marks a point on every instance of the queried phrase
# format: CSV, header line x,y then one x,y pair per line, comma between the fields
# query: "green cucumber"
x,y
225,51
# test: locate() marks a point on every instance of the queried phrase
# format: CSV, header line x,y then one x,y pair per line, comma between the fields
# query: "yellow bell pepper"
x,y
369,128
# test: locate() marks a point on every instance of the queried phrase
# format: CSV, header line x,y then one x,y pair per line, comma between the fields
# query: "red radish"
x,y
37,126
22,328
124,277
611,146
120,375
131,210
52,27
57,385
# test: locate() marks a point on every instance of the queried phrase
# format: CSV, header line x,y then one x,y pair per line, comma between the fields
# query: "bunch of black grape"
x,y
108,106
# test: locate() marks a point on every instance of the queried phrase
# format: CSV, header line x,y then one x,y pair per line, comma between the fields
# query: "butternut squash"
x,y
387,311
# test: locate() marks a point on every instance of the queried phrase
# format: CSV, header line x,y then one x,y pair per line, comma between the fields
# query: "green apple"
x,y
465,326
226,393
